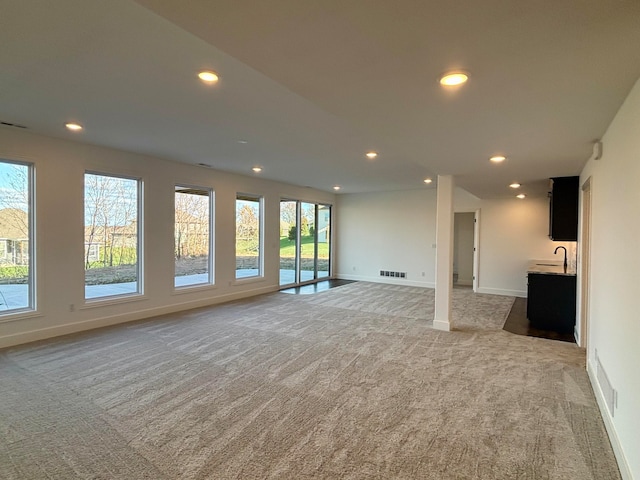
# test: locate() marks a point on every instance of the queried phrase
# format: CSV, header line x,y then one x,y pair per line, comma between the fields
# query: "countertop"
x,y
550,267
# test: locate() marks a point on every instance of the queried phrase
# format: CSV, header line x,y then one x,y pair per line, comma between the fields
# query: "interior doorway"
x,y
465,246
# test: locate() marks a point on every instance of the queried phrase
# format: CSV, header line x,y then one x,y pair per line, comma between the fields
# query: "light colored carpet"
x,y
351,383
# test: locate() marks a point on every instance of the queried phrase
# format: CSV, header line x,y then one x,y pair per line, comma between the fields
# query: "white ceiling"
x,y
311,86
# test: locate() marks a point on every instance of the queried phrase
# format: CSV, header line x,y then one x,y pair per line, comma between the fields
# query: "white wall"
x,y
614,321
60,166
512,232
387,231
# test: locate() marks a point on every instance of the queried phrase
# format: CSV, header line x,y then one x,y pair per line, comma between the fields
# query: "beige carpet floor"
x,y
351,383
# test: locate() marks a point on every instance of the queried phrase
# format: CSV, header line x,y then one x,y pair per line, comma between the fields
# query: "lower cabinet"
x,y
551,302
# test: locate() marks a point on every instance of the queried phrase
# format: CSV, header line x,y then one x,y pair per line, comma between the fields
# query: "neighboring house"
x,y
14,237
191,235
98,239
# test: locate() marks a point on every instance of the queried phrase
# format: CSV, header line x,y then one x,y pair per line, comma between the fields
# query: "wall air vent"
x,y
608,392
387,273
9,124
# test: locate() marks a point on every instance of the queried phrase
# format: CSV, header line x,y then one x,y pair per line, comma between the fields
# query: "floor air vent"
x,y
387,273
608,392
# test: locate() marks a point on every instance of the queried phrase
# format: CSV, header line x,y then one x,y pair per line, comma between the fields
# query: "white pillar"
x,y
444,253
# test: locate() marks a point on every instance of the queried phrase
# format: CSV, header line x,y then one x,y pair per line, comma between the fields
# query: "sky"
x,y
13,186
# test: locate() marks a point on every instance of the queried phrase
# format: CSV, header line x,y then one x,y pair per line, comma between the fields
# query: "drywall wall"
x,y
60,166
512,232
614,325
392,231
396,230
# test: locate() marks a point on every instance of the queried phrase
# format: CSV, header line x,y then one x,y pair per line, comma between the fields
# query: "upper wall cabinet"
x,y
563,216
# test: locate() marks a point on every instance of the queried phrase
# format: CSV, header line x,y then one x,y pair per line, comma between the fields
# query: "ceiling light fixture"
x,y
74,127
498,158
208,76
515,185
336,187
453,79
243,142
521,196
257,169
371,155
427,180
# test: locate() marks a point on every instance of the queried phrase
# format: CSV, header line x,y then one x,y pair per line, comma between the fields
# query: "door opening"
x,y
464,250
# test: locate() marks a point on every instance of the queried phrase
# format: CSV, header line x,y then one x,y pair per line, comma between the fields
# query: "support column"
x,y
444,252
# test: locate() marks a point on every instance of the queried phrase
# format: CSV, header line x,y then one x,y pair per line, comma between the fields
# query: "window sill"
x,y
114,300
245,280
199,287
18,315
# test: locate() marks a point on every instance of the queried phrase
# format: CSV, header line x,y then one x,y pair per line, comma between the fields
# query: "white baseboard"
x,y
500,291
443,325
387,280
75,327
623,465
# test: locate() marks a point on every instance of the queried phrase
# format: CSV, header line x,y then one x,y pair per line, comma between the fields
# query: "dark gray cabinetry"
x,y
563,209
551,302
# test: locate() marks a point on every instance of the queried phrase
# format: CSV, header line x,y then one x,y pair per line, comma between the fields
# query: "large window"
x,y
305,242
16,237
112,229
248,236
192,234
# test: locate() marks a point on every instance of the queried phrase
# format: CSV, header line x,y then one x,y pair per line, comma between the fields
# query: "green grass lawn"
x,y
288,248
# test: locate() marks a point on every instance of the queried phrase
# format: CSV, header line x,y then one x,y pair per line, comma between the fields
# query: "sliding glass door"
x,y
323,240
305,242
288,242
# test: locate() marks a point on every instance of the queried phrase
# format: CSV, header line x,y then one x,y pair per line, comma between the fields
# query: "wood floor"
x,y
518,323
317,287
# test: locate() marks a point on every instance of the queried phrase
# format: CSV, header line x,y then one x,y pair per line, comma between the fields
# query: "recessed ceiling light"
x,y
521,196
427,180
371,155
336,187
515,185
243,142
257,169
73,126
452,79
208,76
498,158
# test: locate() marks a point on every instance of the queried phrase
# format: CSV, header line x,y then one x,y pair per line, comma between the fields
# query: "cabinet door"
x,y
563,209
551,302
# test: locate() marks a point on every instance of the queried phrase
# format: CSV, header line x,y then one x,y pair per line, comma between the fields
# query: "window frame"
x,y
211,241
32,298
260,200
140,250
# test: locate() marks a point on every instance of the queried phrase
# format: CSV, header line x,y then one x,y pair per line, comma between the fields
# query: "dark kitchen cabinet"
x,y
563,211
551,302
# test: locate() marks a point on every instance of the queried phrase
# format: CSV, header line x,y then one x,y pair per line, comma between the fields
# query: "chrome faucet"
x,y
565,255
